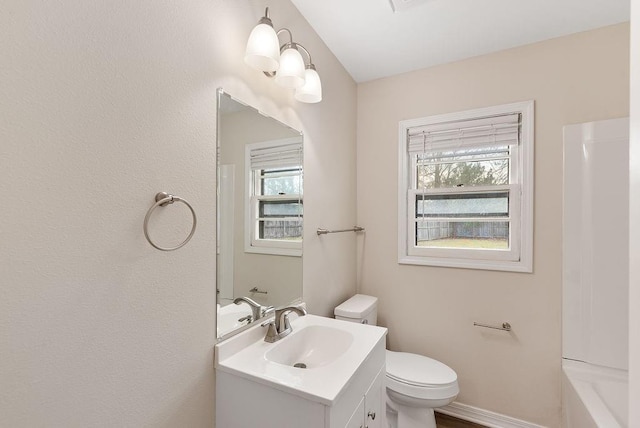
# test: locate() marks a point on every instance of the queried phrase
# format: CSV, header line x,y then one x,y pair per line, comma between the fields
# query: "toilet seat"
x,y
420,377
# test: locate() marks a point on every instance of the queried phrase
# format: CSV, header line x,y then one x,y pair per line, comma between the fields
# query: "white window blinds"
x,y
282,156
482,132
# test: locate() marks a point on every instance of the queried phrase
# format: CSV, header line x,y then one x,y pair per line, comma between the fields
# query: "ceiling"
x,y
372,41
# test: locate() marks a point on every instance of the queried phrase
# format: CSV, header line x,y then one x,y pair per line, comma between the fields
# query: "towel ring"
x,y
163,199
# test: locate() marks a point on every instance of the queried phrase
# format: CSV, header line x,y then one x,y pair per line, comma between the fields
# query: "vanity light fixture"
x,y
284,62
263,47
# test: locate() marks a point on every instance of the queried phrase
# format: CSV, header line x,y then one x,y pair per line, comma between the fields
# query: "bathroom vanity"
x,y
325,374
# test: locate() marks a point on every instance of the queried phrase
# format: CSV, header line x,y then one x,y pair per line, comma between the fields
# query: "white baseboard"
x,y
484,417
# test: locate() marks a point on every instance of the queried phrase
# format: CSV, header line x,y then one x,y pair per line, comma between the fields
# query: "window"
x,y
274,205
466,189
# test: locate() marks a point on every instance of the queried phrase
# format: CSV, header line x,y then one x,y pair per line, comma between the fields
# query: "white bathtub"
x,y
593,396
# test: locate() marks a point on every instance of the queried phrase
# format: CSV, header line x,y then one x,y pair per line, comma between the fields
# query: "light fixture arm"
x,y
287,45
290,36
265,19
310,65
292,44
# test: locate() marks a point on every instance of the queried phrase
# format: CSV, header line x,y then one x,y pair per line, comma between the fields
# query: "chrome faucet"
x,y
257,310
280,326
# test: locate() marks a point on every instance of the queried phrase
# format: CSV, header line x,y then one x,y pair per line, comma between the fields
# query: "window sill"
x,y
507,266
292,252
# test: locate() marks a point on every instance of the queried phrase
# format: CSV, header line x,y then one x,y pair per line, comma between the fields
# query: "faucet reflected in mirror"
x,y
259,215
257,310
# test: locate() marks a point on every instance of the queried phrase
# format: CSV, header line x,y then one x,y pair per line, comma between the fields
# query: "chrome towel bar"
x,y
322,231
504,327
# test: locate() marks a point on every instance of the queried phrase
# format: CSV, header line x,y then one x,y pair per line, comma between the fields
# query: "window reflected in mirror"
x,y
274,201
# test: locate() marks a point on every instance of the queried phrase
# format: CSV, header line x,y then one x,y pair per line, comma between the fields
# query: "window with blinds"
x,y
274,208
466,189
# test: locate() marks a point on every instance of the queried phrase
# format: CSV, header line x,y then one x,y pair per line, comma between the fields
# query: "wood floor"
x,y
445,421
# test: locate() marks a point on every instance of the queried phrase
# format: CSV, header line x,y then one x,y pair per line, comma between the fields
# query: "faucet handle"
x,y
272,332
247,318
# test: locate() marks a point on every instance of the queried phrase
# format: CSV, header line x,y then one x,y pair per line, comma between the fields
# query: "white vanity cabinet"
x,y
244,403
370,411
357,419
253,390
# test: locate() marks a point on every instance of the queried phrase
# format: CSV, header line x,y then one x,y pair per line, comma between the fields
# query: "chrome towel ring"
x,y
163,199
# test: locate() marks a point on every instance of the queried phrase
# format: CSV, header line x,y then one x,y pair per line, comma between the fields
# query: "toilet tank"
x,y
360,308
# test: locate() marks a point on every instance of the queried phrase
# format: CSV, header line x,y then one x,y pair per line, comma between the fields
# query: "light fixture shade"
x,y
291,71
311,92
263,48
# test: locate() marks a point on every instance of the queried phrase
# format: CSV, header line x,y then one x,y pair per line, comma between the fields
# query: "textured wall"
x,y
634,235
430,310
103,104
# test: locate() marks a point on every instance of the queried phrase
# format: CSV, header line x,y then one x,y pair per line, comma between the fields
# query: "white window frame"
x,y
519,258
252,242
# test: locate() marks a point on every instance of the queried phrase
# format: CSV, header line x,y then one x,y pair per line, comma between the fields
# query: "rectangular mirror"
x,y
259,215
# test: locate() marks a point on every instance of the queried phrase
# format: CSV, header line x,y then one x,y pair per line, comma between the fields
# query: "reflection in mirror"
x,y
259,215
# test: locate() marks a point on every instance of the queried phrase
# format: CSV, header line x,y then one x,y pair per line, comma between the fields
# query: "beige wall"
x,y
430,310
102,105
634,239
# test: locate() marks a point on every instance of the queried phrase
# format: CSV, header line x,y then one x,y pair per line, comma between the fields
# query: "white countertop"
x,y
244,355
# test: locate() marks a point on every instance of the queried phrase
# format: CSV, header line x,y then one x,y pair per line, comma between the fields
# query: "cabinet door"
x,y
356,420
374,405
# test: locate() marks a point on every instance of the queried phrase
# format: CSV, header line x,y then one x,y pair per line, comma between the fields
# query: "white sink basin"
x,y
332,351
312,347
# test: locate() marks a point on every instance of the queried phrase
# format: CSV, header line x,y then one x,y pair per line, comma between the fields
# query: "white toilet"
x,y
415,384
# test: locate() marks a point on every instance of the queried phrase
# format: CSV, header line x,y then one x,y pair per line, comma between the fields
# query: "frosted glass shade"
x,y
263,48
291,71
311,92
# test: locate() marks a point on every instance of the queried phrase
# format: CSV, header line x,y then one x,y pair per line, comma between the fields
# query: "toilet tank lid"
x,y
359,306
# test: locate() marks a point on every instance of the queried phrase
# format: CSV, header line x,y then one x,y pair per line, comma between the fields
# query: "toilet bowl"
x,y
415,384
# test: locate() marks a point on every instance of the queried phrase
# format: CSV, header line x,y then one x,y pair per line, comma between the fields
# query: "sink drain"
x,y
300,365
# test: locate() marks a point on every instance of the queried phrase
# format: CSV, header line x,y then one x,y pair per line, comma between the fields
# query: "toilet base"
x,y
399,416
